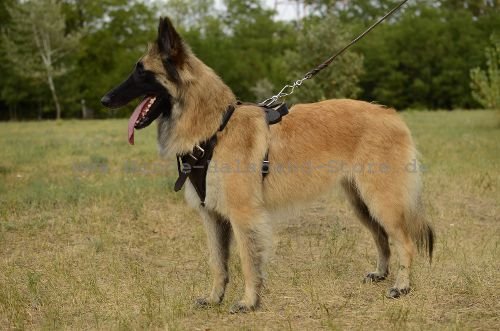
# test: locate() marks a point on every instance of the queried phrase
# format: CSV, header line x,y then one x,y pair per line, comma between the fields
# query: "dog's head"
x,y
155,79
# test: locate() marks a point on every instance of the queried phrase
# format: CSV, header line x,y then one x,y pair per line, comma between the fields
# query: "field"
x,y
92,236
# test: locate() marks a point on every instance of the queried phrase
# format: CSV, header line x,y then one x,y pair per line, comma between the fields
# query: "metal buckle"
x,y
181,164
200,149
265,166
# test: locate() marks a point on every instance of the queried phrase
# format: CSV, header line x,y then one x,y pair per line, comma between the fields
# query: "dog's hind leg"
x,y
377,231
253,239
219,234
405,248
387,206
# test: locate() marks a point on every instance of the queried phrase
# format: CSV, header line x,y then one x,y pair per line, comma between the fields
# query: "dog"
x,y
364,147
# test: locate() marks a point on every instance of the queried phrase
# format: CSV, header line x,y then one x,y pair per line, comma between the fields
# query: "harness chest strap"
x,y
194,165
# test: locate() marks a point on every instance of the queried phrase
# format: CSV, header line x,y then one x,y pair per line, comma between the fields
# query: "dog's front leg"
x,y
218,238
253,239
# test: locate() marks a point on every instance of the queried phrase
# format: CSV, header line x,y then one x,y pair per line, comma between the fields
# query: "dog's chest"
x,y
215,199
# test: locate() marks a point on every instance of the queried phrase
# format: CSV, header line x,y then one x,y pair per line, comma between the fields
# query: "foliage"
x,y
423,59
36,43
263,89
486,83
420,58
244,45
117,33
316,40
358,10
193,13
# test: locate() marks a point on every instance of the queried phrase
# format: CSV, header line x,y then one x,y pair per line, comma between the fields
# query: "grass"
x,y
92,236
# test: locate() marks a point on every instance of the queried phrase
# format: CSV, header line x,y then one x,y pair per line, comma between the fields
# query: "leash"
x,y
290,89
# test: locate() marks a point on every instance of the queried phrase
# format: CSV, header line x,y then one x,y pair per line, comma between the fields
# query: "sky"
x,y
286,9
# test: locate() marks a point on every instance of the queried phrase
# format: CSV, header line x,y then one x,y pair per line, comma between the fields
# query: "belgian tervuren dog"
x,y
366,148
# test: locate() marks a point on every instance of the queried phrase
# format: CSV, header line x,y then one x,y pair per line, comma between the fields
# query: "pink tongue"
x,y
133,119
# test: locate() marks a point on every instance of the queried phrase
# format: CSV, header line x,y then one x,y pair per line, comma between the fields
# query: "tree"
x,y
257,44
476,7
423,59
192,13
485,84
349,10
316,41
36,43
116,35
244,44
5,82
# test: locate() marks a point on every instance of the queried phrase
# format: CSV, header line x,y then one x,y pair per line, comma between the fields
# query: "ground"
x,y
92,236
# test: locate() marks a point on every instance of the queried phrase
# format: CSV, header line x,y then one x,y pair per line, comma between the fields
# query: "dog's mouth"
x,y
145,113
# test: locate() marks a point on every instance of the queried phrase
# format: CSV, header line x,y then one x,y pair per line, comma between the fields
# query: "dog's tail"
x,y
416,222
421,231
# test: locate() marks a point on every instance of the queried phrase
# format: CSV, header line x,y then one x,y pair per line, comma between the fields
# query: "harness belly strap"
x,y
194,165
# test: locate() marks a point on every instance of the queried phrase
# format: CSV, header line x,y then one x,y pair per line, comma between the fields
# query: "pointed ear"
x,y
169,42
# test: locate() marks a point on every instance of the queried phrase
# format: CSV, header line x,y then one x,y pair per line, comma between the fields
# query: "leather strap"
x,y
194,165
274,113
227,116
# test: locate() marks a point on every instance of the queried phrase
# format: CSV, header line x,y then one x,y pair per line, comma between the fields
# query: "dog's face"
x,y
155,78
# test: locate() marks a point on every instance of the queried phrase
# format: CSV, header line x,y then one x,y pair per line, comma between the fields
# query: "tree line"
x,y
58,57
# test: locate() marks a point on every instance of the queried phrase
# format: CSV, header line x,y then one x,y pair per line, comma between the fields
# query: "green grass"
x,y
92,236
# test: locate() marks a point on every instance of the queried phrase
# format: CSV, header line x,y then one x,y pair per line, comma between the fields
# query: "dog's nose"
x,y
106,101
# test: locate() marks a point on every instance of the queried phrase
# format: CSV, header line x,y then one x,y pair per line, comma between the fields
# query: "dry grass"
x,y
92,237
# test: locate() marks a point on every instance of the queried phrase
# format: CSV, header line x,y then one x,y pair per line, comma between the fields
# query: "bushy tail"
x,y
419,229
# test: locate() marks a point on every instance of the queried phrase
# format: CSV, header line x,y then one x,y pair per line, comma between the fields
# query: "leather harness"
x,y
194,165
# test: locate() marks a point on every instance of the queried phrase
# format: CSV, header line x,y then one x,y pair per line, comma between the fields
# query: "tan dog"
x,y
364,147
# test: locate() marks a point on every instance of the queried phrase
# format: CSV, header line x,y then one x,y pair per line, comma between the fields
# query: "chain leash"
x,y
290,89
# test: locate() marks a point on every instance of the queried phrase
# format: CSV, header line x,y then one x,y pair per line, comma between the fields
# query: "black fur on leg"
x,y
241,308
395,293
374,277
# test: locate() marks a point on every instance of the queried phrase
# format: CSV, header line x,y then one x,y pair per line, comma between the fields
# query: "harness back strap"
x,y
274,113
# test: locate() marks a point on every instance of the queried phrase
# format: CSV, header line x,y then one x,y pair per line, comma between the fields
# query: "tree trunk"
x,y
40,110
13,112
54,97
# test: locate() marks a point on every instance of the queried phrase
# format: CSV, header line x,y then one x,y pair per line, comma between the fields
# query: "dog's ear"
x,y
169,42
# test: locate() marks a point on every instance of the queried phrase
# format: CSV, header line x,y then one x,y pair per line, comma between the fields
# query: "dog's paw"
x,y
394,293
241,307
374,277
205,302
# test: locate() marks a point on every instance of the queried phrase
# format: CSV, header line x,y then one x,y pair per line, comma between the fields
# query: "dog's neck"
x,y
197,113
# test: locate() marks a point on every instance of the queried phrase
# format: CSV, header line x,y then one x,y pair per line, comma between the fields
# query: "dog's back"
x,y
318,144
